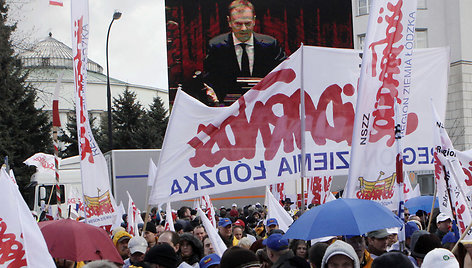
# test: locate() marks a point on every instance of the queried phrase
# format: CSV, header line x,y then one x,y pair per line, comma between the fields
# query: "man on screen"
x,y
240,53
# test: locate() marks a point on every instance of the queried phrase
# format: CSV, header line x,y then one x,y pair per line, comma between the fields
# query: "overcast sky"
x,y
137,45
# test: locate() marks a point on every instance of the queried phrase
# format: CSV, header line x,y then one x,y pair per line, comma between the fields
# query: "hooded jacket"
x,y
340,247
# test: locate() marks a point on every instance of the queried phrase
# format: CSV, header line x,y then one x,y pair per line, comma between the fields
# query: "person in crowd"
x,y
210,261
424,244
260,229
358,243
377,242
162,256
159,230
272,224
410,228
179,227
440,258
184,213
316,253
263,258
423,215
392,238
299,248
340,254
449,241
238,232
444,224
287,206
199,232
191,249
137,247
120,240
239,53
392,260
234,211
406,214
280,254
245,242
237,257
225,231
150,234
207,246
171,238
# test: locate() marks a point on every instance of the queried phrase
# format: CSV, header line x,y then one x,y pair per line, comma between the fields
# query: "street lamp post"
x,y
116,16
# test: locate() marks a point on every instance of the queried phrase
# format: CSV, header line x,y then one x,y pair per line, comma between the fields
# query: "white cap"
x,y
393,230
440,258
442,217
234,205
137,244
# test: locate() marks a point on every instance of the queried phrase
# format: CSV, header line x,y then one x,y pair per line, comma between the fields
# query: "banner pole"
x,y
302,134
432,206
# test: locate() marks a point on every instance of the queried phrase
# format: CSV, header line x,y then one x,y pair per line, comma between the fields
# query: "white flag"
x,y
120,210
133,217
169,219
275,210
386,79
22,242
43,162
151,172
100,205
215,238
75,202
319,189
210,210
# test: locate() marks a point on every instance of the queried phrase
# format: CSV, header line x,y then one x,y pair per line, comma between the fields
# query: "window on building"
x,y
421,38
361,40
363,8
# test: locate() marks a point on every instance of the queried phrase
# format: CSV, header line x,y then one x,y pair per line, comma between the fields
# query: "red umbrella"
x,y
78,241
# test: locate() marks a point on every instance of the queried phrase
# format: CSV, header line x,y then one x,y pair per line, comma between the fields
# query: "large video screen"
x,y
191,24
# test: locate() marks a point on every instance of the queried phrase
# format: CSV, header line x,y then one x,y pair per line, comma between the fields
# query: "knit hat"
x,y
392,260
162,254
425,244
151,227
340,248
237,257
440,258
209,260
120,236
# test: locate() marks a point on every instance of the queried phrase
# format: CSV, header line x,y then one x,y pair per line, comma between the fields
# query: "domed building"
x,y
50,59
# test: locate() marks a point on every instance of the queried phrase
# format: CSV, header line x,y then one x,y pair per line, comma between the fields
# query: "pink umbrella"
x,y
77,241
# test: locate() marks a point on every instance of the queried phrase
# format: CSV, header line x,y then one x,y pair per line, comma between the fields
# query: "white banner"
x,y
319,189
278,191
43,162
450,178
388,77
256,141
99,203
215,238
210,210
22,243
169,225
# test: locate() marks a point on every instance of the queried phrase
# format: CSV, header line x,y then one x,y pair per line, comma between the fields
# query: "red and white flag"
x,y
99,203
210,210
278,191
133,217
385,80
56,3
257,141
43,162
22,243
169,219
450,177
319,189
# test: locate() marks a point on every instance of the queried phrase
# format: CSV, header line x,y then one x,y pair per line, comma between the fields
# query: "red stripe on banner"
x,y
56,3
56,121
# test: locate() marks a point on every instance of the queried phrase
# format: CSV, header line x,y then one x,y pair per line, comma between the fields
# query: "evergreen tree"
x,y
24,129
69,136
127,116
151,135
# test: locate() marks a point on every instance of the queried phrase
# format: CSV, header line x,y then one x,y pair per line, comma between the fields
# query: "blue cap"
x,y
410,228
209,260
449,238
276,242
272,221
224,222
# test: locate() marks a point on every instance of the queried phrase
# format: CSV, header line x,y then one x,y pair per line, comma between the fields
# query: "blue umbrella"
x,y
343,217
421,203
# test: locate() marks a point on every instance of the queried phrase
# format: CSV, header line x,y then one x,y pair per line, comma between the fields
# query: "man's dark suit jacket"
x,y
221,66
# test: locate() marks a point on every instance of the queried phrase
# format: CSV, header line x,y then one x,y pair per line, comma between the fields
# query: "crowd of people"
x,y
252,240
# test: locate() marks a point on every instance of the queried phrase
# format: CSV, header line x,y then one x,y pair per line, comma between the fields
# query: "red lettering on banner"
x,y
98,206
10,249
319,187
44,163
275,129
437,167
387,94
467,171
83,140
460,210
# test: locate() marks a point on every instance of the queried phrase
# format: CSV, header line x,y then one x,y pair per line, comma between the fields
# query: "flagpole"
x,y
432,206
446,178
400,178
302,134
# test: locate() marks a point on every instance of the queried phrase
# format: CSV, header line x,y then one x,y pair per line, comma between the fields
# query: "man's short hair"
x,y
174,236
181,211
237,4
